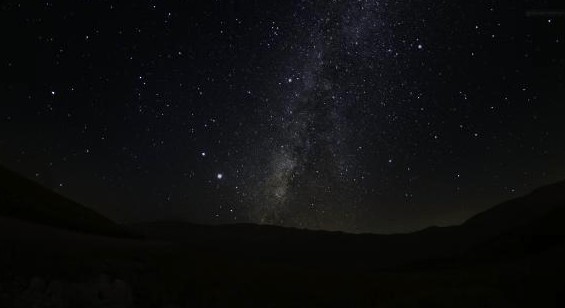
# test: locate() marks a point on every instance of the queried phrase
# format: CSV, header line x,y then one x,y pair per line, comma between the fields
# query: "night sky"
x,y
361,116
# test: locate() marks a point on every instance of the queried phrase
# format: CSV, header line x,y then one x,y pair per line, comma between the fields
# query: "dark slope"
x,y
26,200
513,229
521,211
509,256
525,225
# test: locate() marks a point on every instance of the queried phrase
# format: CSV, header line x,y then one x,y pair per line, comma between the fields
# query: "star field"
x,y
362,116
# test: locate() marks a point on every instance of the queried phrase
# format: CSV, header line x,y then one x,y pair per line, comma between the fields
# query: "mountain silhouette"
x,y
535,219
521,211
527,224
27,200
508,256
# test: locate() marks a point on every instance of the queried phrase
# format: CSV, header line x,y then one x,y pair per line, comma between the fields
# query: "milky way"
x,y
310,153
378,116
313,162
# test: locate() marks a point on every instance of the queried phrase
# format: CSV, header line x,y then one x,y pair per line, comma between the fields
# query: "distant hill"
x,y
26,200
511,229
528,224
508,256
521,211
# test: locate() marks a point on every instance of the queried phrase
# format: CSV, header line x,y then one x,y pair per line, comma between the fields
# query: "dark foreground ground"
x,y
510,256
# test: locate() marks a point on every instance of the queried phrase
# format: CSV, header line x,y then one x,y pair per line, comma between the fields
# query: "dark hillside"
x,y
26,200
